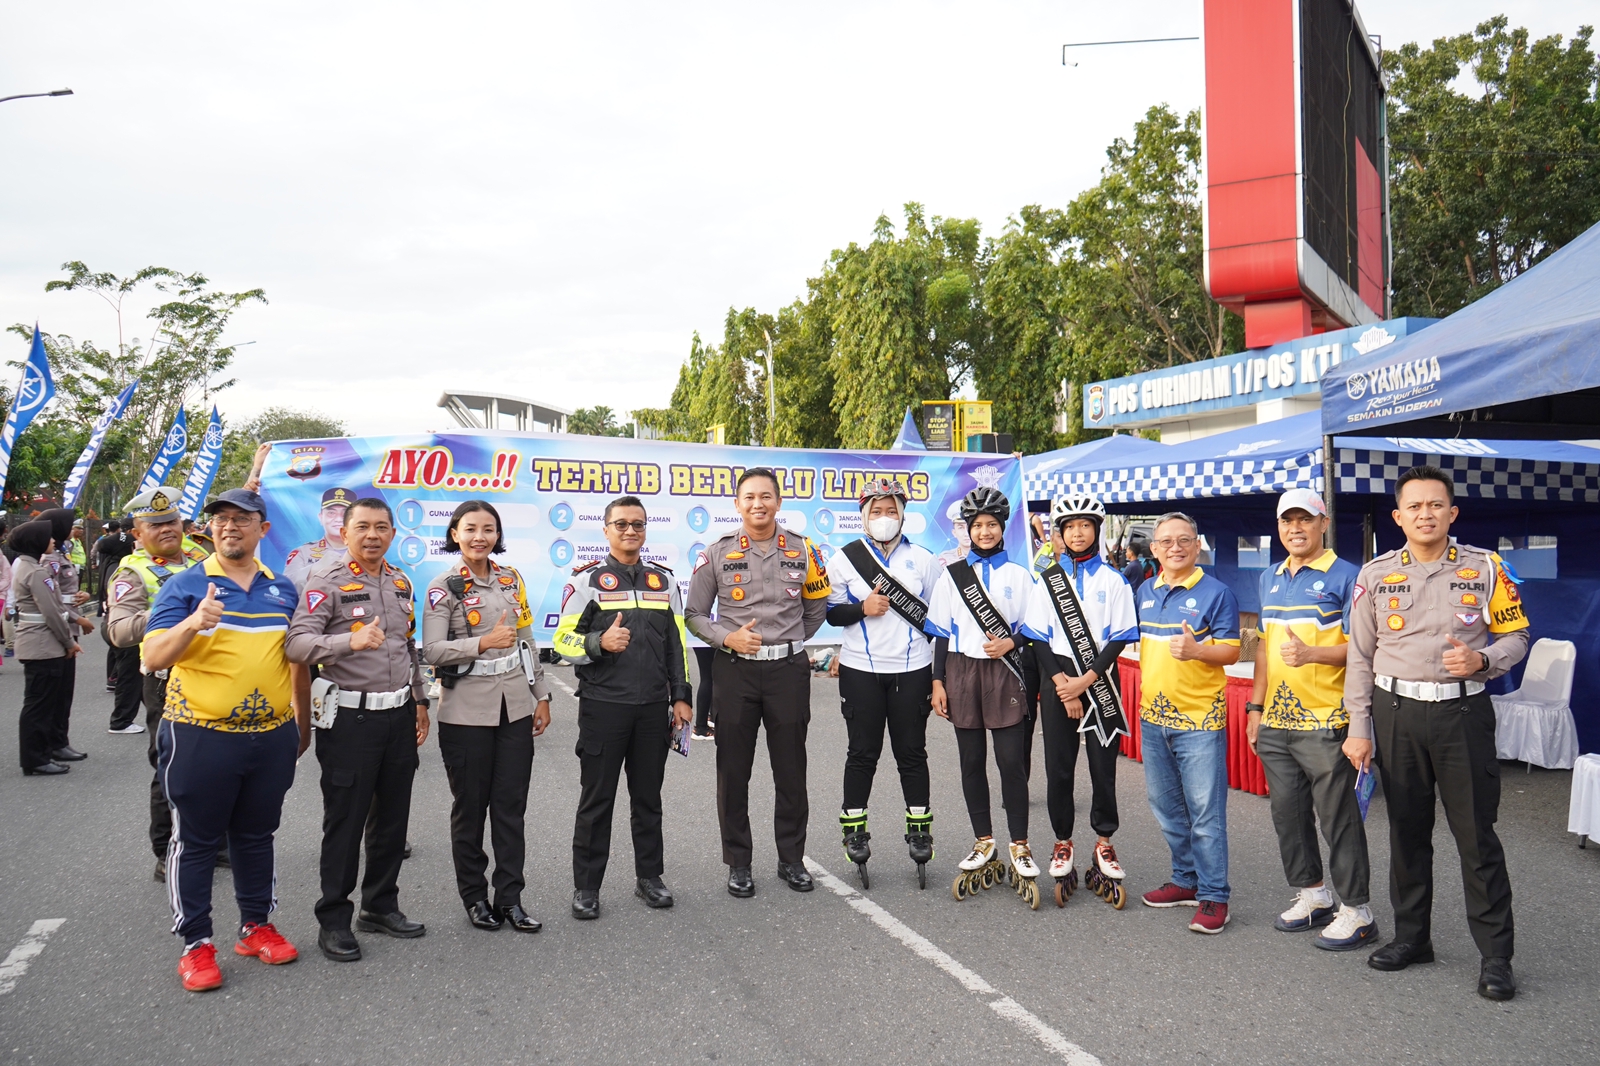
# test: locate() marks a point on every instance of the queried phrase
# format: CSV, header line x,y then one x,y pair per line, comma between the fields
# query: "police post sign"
x,y
551,491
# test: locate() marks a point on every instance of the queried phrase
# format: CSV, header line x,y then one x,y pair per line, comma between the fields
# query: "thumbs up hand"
x,y
1461,660
1295,652
367,638
615,639
501,636
1184,647
209,613
745,639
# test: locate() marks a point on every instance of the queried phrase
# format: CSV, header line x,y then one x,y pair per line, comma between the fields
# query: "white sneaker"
x,y
1061,859
1022,861
1312,909
129,730
982,852
1351,929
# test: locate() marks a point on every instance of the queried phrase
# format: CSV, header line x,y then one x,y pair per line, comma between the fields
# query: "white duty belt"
x,y
1428,691
494,667
25,617
375,701
772,651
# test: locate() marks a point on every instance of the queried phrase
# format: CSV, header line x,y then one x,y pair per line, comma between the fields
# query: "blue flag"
x,y
172,450
80,473
34,390
909,439
204,470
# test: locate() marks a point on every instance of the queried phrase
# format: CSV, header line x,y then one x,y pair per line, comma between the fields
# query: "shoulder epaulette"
x,y
576,570
660,566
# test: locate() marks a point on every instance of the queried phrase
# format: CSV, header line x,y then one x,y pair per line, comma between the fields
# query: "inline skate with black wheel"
x,y
919,840
1104,878
853,825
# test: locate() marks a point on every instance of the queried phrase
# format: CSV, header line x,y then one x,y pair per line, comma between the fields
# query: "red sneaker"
x,y
1210,918
1170,895
198,969
265,943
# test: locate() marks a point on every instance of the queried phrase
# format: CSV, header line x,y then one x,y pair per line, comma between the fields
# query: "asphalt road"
x,y
892,975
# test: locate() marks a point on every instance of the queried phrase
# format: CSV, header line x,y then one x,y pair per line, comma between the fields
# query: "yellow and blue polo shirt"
x,y
234,678
1184,695
1314,603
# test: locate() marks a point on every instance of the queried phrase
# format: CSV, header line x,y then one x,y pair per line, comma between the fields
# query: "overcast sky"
x,y
539,199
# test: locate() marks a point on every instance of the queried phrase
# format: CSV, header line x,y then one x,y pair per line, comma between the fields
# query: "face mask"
x,y
884,529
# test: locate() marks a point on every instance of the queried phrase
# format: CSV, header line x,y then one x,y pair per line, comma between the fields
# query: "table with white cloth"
x,y
1583,815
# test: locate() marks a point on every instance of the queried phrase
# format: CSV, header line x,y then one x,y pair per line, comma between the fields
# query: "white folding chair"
x,y
1534,724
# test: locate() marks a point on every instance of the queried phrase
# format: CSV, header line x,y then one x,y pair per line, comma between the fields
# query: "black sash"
x,y
1105,704
906,603
989,620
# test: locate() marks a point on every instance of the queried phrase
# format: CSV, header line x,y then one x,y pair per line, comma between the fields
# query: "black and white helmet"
x,y
1077,505
988,501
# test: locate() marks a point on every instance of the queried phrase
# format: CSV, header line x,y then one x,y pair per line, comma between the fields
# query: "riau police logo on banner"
x,y
306,462
1097,403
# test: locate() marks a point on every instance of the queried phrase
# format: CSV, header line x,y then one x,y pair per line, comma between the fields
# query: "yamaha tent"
x,y
1047,475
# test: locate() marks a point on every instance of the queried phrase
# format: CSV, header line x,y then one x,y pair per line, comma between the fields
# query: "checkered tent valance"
x,y
1158,482
1492,477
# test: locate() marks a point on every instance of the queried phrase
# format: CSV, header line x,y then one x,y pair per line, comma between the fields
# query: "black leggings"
x,y
868,701
1010,745
1061,741
703,657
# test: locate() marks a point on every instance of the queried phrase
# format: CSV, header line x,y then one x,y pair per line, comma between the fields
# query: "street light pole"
x,y
30,96
772,406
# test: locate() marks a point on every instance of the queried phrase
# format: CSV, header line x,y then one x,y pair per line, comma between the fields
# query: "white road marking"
x,y
1004,1006
26,951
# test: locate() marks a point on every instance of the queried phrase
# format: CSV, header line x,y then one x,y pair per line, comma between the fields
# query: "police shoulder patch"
x,y
436,595
121,589
315,599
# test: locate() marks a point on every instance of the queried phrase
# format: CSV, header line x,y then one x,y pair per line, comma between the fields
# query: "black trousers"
x,y
61,717
489,768
702,692
369,759
1030,708
1010,746
612,736
130,686
870,701
46,702
749,694
1449,748
155,701
1061,742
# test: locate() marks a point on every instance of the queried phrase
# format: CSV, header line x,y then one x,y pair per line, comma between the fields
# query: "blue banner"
x,y
34,390
204,470
80,472
172,449
551,491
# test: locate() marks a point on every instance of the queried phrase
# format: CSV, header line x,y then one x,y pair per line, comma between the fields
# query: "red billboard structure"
x,y
1297,202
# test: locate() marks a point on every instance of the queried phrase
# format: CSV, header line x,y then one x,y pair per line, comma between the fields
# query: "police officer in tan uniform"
x,y
770,588
356,621
329,546
46,647
132,589
64,575
477,633
1430,624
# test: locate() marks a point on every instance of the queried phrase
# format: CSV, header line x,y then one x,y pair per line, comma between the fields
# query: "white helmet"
x,y
1077,505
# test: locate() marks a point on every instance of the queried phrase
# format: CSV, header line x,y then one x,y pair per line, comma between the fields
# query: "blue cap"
x,y
243,499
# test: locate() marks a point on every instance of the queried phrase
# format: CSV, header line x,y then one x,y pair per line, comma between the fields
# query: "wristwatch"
x,y
1485,659
1254,708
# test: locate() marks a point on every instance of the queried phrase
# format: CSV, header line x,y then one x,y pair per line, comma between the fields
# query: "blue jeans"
x,y
1186,775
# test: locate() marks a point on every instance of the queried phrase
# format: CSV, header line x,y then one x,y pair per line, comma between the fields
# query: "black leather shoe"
x,y
340,945
1398,956
483,916
653,892
795,874
586,904
68,754
49,769
392,924
520,920
740,883
1495,980
408,849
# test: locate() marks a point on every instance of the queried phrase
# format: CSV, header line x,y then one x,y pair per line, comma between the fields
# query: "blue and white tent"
x,y
1048,474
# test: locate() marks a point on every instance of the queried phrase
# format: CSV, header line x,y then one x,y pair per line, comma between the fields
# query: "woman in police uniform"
x,y
476,633
46,647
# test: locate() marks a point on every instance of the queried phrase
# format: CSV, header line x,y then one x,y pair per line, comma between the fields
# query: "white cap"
x,y
1302,500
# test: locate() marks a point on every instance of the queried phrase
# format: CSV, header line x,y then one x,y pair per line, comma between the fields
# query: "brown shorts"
x,y
983,693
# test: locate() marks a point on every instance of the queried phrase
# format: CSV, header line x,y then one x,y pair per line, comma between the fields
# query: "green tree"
x,y
597,422
1488,178
1028,347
